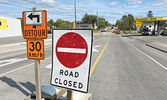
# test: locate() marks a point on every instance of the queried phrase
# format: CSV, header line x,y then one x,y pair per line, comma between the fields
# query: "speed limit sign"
x,y
35,49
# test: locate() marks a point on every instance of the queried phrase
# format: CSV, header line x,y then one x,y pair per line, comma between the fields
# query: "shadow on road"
x,y
12,83
131,35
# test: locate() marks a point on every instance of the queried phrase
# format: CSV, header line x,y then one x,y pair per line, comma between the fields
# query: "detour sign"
x,y
35,24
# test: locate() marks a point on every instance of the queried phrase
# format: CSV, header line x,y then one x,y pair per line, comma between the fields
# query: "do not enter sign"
x,y
71,58
71,50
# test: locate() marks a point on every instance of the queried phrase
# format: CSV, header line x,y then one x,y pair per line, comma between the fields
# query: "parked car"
x,y
49,32
104,29
145,31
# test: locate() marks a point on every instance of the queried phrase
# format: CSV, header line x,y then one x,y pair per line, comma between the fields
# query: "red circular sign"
x,y
71,50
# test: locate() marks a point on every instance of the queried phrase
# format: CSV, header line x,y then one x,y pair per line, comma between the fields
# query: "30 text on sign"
x,y
71,58
35,24
35,49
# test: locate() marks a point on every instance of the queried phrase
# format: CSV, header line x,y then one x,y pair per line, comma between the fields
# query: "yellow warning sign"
x,y
138,18
138,24
3,24
153,18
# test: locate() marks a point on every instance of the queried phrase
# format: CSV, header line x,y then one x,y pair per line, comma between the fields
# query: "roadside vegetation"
x,y
127,24
98,22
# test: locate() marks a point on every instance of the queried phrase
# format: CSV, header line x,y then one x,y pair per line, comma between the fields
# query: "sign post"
x,y
35,29
71,59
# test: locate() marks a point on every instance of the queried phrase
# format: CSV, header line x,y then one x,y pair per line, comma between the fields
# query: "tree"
x,y
119,24
50,23
131,21
150,14
60,23
91,19
126,22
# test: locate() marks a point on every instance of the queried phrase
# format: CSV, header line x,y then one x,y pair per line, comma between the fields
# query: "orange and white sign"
x,y
35,24
35,49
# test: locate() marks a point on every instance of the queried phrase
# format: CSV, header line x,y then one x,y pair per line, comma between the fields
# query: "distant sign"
x,y
72,50
35,24
138,18
138,24
35,49
153,18
3,24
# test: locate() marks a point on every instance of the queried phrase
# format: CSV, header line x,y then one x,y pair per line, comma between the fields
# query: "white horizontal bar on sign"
x,y
71,50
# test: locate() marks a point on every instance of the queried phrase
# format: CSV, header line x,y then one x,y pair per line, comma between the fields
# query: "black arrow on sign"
x,y
31,16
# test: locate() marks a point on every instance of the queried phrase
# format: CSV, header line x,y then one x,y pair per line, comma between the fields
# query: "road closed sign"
x,y
71,58
35,24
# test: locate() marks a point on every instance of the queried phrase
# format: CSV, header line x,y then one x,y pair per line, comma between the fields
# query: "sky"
x,y
111,10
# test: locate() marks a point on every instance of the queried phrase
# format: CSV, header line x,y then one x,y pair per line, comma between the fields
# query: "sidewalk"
x,y
19,46
9,44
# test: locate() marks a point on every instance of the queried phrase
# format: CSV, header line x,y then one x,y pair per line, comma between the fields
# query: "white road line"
x,y
147,55
97,46
71,50
49,66
19,68
95,50
11,61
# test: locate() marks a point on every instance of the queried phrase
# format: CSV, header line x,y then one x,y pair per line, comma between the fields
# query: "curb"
x,y
157,47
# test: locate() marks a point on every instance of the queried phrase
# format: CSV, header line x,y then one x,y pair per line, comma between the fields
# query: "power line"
x,y
32,2
14,5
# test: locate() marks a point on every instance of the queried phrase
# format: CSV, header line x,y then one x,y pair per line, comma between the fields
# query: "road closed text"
x,y
67,82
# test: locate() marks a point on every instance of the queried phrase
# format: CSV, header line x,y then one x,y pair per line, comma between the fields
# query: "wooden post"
x,y
69,94
37,75
37,79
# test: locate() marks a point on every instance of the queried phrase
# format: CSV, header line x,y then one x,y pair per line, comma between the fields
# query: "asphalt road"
x,y
129,70
124,69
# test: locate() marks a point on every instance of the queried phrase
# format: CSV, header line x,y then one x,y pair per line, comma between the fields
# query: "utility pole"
x,y
97,19
75,12
102,21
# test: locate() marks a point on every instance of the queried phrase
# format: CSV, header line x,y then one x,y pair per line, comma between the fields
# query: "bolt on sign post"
x,y
71,58
35,29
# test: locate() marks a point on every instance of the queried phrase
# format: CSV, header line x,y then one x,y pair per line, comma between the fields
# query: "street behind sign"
x,y
35,49
35,24
71,58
